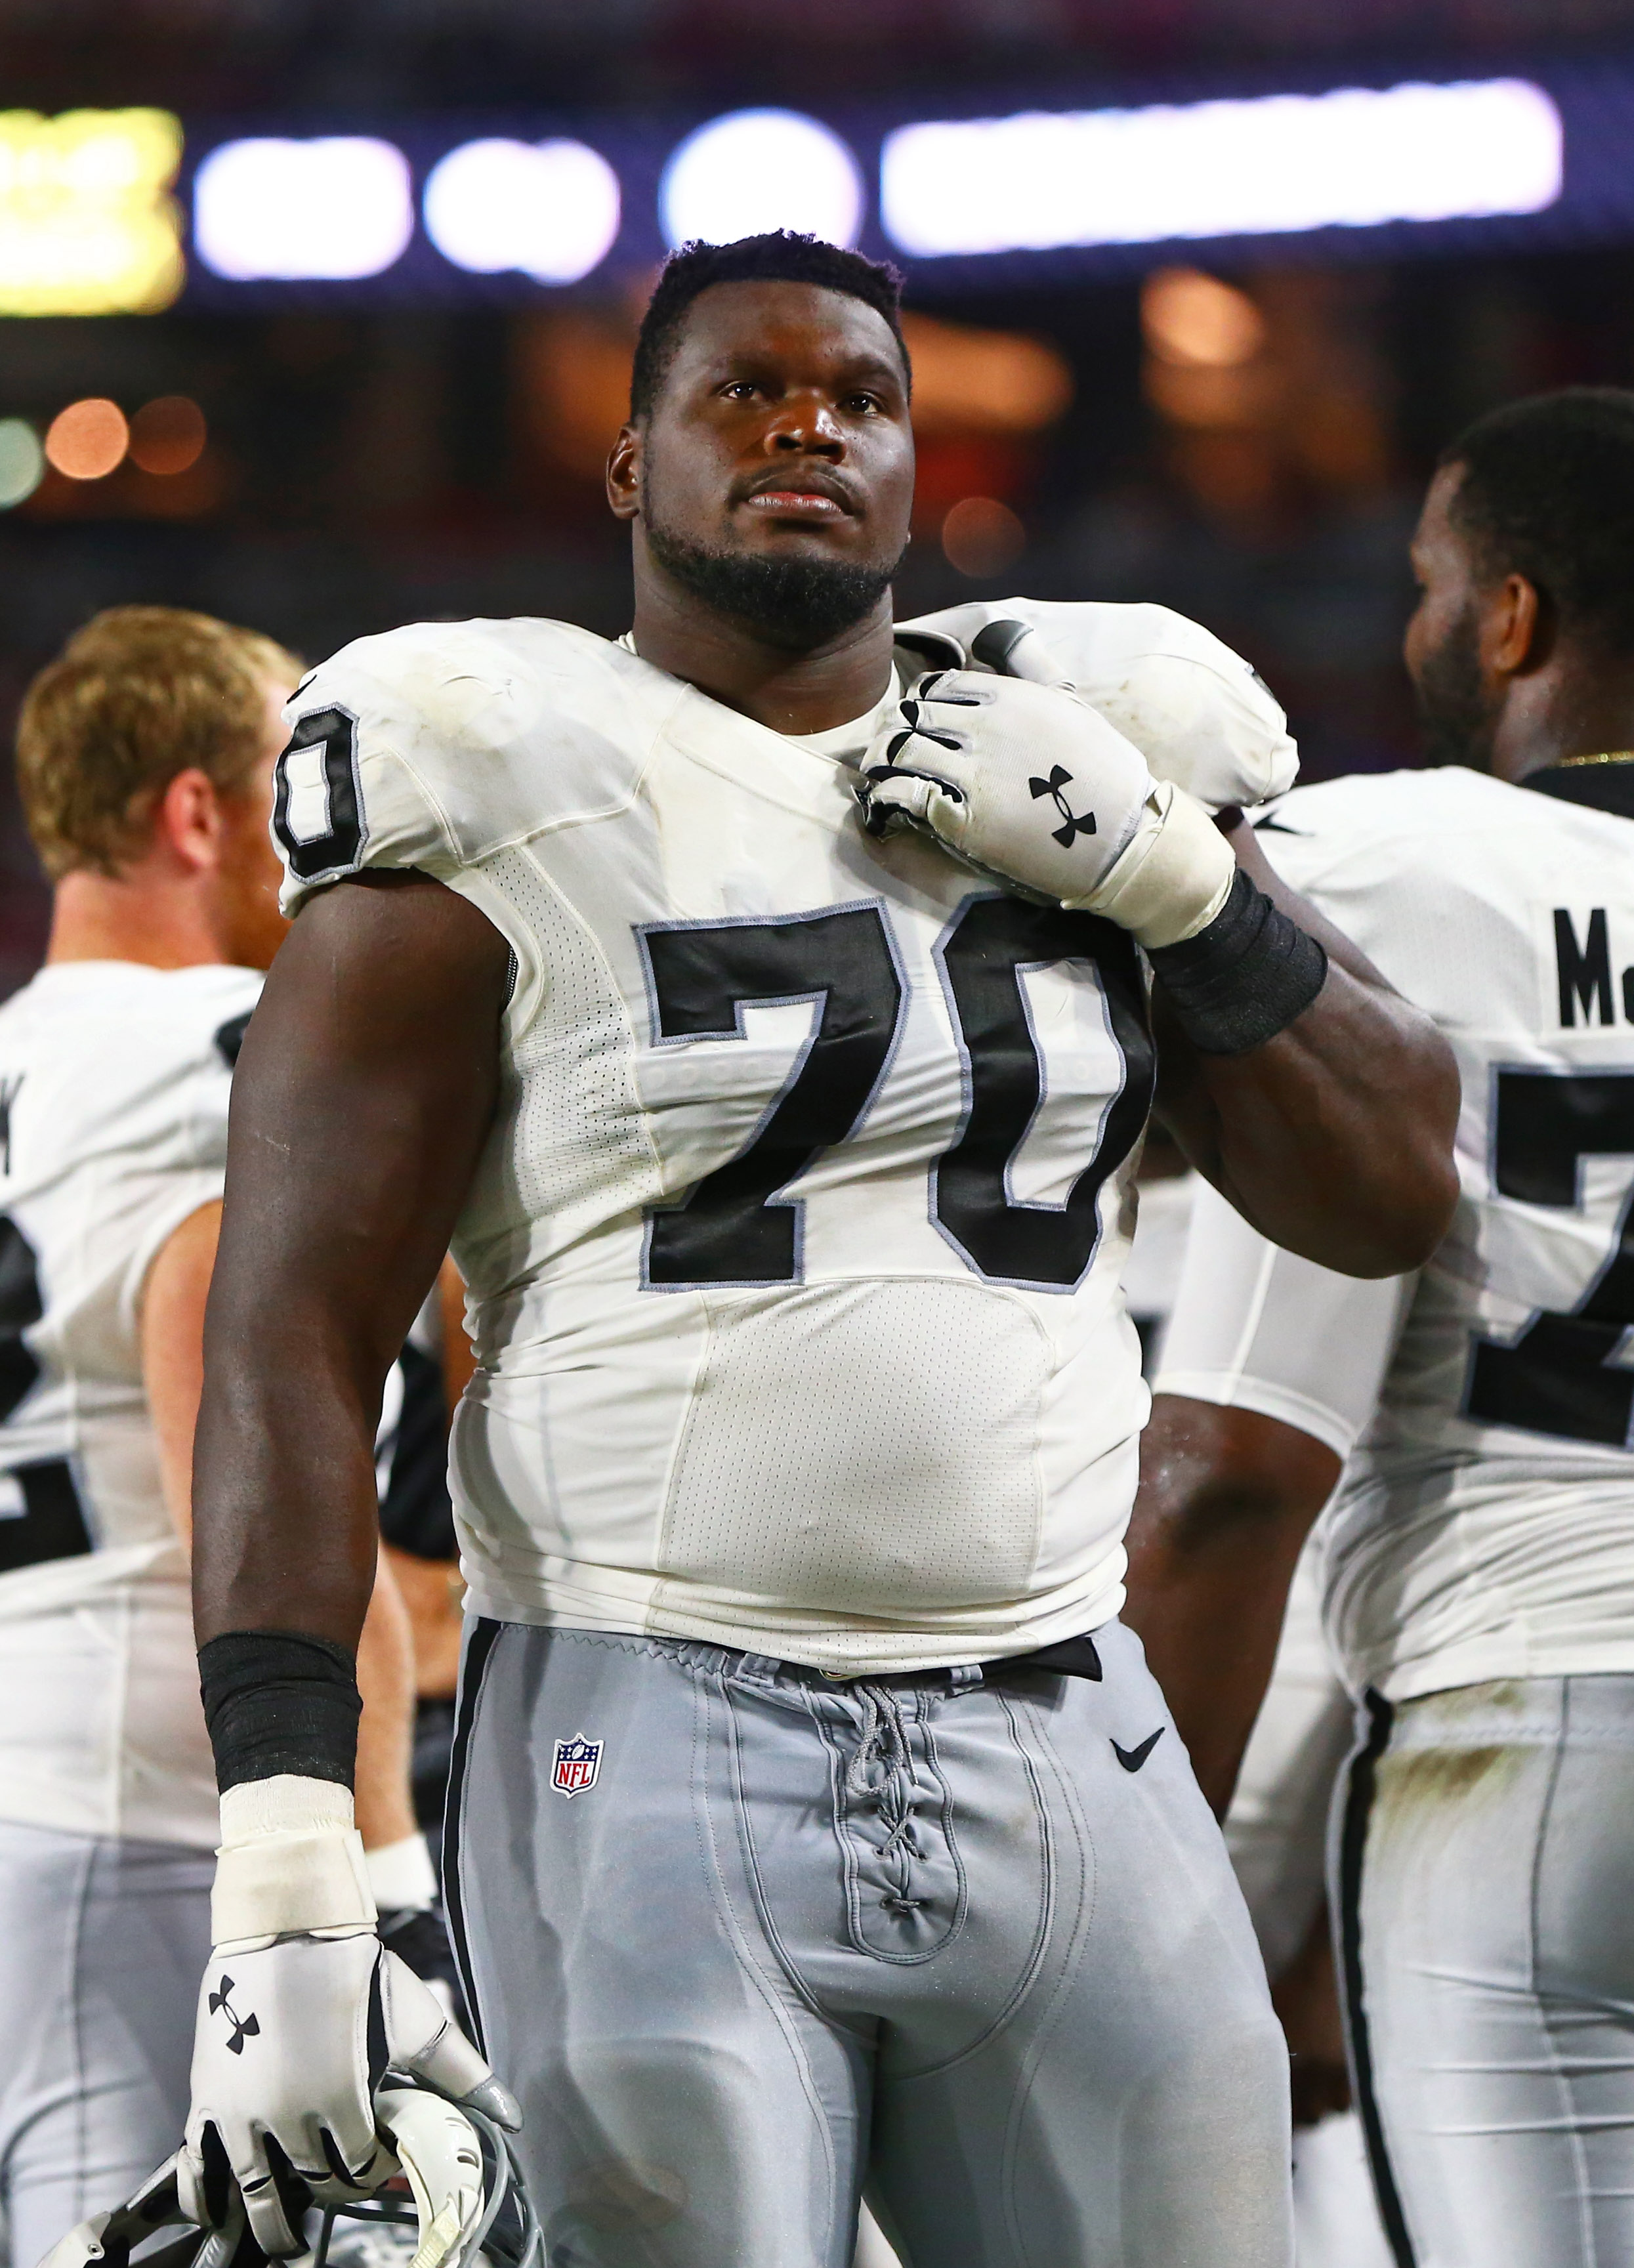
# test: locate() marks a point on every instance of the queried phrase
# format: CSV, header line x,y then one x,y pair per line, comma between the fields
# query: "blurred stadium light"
x,y
1356,158
22,461
1191,318
167,436
983,381
548,209
88,439
762,169
1017,195
87,226
338,206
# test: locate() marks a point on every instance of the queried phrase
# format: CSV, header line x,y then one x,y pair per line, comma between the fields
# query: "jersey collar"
x,y
1602,787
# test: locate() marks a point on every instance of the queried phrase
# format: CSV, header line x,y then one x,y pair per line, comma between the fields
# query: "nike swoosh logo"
x,y
1132,1759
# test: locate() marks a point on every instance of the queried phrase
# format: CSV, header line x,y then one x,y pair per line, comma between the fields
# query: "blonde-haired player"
x,y
145,755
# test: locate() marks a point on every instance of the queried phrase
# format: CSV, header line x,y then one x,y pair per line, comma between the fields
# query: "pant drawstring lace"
x,y
883,1745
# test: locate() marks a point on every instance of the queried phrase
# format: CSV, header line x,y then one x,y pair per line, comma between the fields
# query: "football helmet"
x,y
460,2189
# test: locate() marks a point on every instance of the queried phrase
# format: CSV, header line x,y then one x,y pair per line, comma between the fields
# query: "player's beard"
x,y
796,604
1457,717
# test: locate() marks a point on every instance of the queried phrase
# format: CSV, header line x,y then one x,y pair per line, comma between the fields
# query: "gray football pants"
x,y
102,1944
927,1933
1485,1881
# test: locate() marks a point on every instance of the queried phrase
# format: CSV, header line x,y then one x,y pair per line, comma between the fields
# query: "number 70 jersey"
x,y
794,1252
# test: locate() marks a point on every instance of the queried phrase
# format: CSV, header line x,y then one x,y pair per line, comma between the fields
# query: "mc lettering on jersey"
x,y
1583,971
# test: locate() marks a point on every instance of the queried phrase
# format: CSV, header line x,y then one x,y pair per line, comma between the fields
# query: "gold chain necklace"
x,y
1616,757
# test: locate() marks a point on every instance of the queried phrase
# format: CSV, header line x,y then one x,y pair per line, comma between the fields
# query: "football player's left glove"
x,y
1025,783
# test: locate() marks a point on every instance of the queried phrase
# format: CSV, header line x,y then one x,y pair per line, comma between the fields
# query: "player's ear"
x,y
1518,628
187,819
624,473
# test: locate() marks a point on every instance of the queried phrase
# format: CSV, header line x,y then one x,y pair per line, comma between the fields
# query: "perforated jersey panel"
x,y
907,1473
576,1129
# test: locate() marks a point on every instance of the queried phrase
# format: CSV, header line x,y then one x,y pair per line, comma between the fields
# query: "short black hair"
x,y
1547,492
778,257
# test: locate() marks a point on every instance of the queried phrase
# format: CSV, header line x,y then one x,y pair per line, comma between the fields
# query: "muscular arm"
x,y
360,1105
1227,1498
1334,1138
173,1369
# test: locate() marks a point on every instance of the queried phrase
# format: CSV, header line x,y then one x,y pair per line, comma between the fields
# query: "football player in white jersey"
x,y
1477,1559
145,762
812,1818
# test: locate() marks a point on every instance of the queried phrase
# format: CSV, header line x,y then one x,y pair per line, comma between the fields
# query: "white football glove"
x,y
1196,710
301,2012
1026,783
434,2145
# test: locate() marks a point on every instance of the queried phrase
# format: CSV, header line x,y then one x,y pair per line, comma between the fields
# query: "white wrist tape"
x,y
1174,875
401,1875
290,1862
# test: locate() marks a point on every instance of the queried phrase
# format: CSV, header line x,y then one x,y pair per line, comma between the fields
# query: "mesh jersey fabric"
x,y
1483,1526
115,1080
794,1255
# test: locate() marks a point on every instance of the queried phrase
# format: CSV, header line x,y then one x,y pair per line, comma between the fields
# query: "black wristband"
x,y
1245,977
277,1702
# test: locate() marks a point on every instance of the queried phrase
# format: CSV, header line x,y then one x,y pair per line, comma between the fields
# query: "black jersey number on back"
x,y
317,808
1554,1377
44,1520
992,941
732,1229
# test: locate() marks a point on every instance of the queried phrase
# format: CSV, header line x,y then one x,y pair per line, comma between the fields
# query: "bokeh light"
x,y
87,225
87,439
168,435
1355,157
982,537
755,170
550,209
22,461
979,381
339,206
1188,317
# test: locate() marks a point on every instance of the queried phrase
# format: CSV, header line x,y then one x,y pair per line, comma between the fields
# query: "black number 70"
x,y
734,1228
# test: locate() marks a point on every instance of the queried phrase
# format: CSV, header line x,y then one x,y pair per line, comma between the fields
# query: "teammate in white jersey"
x,y
788,1162
145,758
1477,1558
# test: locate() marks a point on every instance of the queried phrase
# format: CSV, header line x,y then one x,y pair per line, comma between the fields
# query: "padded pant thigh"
x,y
102,1945
1497,1973
683,2109
1135,2114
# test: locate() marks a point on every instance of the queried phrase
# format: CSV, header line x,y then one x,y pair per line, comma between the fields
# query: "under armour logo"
x,y
1072,824
243,2027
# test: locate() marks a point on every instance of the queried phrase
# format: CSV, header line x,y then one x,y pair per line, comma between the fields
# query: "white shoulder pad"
x,y
433,746
1197,712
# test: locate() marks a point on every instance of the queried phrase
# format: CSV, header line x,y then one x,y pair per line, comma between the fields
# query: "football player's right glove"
x,y
453,2178
1025,783
302,2012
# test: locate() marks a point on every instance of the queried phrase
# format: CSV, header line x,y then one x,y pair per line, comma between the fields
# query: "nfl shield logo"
x,y
578,1765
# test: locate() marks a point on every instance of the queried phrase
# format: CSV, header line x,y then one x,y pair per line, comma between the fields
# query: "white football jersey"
x,y
793,1256
114,1088
1484,1526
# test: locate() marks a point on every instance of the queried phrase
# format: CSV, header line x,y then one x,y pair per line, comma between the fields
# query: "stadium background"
x,y
1237,426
